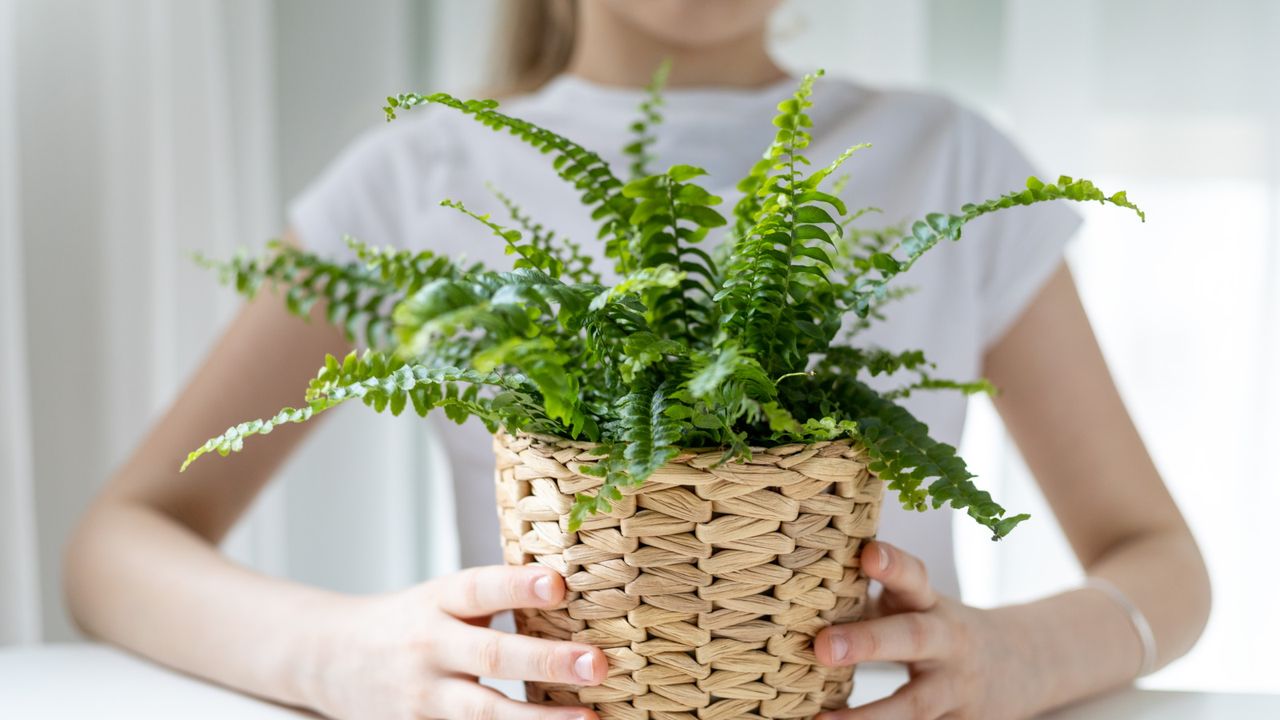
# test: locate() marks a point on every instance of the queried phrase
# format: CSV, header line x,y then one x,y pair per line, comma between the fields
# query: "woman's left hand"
x,y
964,662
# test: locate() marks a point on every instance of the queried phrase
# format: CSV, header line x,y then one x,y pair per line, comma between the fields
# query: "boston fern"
x,y
733,347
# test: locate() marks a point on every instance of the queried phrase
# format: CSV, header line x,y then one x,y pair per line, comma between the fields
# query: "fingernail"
x,y
585,667
542,588
839,647
884,557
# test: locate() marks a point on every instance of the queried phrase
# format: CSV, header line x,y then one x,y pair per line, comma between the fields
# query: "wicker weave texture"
x,y
706,585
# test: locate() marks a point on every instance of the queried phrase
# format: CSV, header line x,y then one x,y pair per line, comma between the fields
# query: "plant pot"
x,y
704,586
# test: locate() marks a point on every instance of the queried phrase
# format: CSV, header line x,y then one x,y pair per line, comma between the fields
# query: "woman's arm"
x,y
1060,405
1017,661
143,569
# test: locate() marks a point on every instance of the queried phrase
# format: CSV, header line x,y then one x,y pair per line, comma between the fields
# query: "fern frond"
x,y
878,361
876,311
927,233
408,270
611,468
576,263
355,297
905,457
756,185
650,117
981,386
519,312
874,361
731,388
671,216
381,382
777,299
758,276
786,427
642,350
814,180
600,189
652,420
233,439
531,254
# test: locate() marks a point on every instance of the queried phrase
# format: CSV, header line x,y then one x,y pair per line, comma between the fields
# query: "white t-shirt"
x,y
928,155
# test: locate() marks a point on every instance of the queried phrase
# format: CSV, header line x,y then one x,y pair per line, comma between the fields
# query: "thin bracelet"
x,y
1136,618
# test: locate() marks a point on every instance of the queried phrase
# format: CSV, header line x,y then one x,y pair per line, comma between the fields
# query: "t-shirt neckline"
x,y
574,90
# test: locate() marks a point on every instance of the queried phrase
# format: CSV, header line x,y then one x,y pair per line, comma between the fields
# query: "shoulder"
x,y
386,184
391,161
929,137
432,139
422,134
902,114
368,189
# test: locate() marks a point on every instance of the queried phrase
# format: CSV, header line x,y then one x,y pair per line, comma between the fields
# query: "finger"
x,y
926,697
483,591
492,654
905,637
459,699
905,580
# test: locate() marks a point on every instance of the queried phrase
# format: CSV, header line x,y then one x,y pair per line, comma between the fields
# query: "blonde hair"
x,y
535,39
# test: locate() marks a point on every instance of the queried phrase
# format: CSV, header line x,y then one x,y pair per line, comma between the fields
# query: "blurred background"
x,y
133,132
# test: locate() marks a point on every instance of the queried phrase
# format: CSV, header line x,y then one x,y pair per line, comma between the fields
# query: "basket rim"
x,y
683,451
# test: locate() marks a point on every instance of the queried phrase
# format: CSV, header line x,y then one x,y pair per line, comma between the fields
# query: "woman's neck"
x,y
610,52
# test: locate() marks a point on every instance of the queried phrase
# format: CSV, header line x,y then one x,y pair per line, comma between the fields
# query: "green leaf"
x,y
684,173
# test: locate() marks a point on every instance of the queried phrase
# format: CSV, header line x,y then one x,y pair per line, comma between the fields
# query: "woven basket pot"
x,y
704,586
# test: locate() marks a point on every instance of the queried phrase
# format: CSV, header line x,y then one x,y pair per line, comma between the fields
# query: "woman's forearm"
x,y
141,580
1082,642
143,569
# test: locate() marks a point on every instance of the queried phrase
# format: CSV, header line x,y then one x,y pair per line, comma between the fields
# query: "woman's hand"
x,y
417,653
964,662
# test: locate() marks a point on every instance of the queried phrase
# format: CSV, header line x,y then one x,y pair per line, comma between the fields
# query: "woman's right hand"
x,y
416,654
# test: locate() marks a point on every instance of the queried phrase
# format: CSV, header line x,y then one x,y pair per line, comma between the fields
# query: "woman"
x,y
144,570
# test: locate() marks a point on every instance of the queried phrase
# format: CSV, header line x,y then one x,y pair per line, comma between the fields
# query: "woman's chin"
x,y
693,24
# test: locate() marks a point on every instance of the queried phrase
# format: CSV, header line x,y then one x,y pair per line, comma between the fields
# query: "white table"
x,y
70,682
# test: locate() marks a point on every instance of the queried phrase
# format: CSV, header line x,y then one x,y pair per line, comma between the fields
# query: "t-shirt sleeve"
x,y
360,193
1021,246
